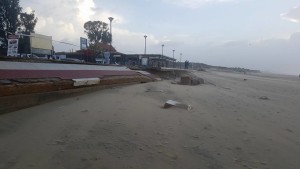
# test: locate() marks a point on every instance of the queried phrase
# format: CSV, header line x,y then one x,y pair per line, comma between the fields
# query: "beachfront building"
x,y
140,61
147,60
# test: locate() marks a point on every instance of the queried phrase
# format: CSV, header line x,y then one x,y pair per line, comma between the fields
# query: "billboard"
x,y
39,41
83,43
12,46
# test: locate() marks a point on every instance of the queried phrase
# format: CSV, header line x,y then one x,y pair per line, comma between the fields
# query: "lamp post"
x,y
180,60
145,44
162,53
173,59
110,19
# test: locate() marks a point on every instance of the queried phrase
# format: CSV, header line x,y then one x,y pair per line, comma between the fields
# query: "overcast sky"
x,y
256,34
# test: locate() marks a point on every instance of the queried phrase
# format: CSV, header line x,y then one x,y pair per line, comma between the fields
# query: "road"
x,y
24,70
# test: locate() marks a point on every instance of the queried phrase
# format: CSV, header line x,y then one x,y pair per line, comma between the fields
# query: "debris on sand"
x,y
150,90
211,83
201,70
190,80
264,98
171,103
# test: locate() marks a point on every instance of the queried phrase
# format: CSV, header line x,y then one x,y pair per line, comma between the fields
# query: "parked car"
x,y
72,60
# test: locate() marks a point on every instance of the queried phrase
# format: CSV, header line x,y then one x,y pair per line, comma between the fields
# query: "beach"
x,y
237,121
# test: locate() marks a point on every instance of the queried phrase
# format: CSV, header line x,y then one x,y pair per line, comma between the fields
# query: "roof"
x,y
105,47
153,56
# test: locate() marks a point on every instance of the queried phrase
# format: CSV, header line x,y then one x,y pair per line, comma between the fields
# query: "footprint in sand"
x,y
289,130
244,132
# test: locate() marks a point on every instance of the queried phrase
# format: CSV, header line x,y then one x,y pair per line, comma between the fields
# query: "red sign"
x,y
13,37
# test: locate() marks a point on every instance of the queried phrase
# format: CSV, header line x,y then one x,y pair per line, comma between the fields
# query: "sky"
x,y
254,34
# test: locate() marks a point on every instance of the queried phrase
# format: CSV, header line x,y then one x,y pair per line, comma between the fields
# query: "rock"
x,y
289,130
197,81
264,98
196,137
185,80
60,142
190,80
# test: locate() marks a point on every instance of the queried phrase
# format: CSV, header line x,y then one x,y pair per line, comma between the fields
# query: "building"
x,y
41,45
147,60
95,54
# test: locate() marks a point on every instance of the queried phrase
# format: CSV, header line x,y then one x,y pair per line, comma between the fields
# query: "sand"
x,y
237,121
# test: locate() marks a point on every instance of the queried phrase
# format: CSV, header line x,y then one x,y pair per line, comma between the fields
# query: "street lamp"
x,y
180,60
110,19
145,44
173,59
162,52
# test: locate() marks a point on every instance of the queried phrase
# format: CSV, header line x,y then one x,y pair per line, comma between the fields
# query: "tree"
x,y
27,25
97,31
27,22
9,11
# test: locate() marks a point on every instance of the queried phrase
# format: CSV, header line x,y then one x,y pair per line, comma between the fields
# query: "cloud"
x,y
134,42
64,20
195,3
27,10
272,55
293,15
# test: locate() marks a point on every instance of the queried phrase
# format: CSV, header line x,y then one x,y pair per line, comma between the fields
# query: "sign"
x,y
144,61
12,47
106,57
83,43
13,36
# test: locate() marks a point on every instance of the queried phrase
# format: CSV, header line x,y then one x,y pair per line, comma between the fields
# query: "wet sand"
x,y
237,121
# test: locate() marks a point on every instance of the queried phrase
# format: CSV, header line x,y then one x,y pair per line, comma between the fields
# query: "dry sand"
x,y
229,127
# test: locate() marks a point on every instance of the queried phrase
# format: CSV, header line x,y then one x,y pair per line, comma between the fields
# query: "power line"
x,y
65,43
42,38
